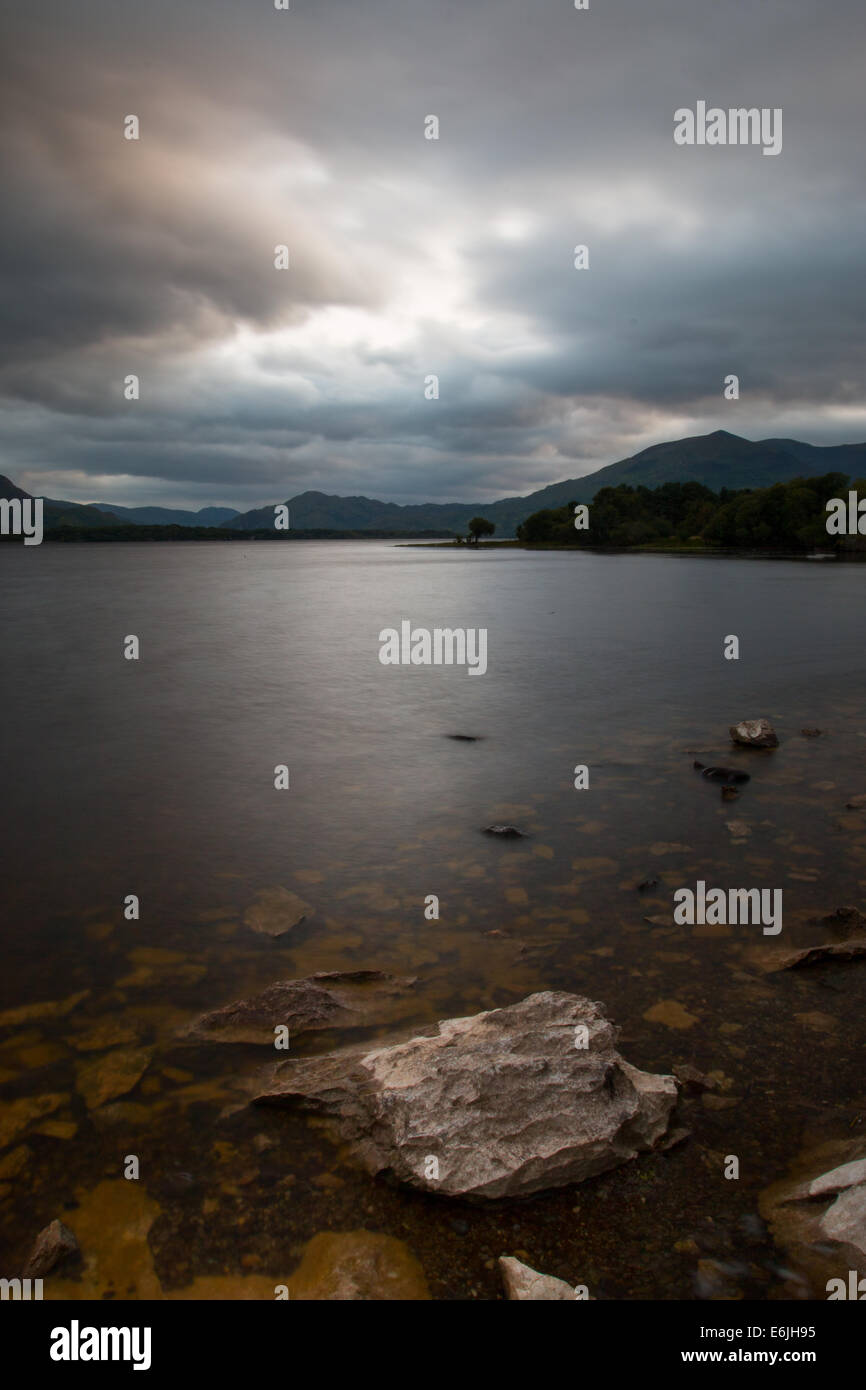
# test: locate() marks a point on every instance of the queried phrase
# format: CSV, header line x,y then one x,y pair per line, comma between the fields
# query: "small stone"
x,y
505,832
754,733
526,1285
52,1244
694,1082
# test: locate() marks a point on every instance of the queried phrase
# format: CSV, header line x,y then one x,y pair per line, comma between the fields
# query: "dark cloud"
x,y
413,257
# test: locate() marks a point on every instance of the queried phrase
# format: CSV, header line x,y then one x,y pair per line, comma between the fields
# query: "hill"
x,y
57,513
169,516
719,460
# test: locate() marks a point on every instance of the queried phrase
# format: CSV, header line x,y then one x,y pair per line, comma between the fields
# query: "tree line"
x,y
788,516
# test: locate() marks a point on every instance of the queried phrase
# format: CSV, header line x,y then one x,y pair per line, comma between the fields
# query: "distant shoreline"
x,y
162,534
695,552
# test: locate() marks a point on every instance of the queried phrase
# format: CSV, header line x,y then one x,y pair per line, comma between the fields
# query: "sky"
x,y
411,257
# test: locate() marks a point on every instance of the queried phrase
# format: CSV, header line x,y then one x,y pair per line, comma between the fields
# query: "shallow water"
x,y
156,778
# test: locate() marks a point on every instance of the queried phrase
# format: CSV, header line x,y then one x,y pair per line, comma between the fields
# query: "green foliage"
x,y
787,516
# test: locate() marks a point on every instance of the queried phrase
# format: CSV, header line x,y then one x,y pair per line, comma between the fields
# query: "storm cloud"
x,y
412,257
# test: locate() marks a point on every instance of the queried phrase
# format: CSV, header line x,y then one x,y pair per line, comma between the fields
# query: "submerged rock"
x,y
49,1008
17,1115
526,1284
694,1082
346,1266
498,1104
328,999
275,912
506,832
754,733
772,958
52,1245
847,921
111,1075
728,775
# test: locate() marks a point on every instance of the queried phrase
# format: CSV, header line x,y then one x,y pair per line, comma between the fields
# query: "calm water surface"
x,y
156,777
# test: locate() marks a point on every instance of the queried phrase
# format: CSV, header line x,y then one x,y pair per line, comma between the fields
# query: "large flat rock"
x,y
498,1104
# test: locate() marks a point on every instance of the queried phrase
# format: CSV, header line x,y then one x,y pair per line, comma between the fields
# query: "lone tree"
x,y
479,526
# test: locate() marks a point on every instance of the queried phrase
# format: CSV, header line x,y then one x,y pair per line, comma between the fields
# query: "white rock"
x,y
523,1283
497,1104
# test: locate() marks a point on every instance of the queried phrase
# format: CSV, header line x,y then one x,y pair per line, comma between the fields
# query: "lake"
x,y
156,778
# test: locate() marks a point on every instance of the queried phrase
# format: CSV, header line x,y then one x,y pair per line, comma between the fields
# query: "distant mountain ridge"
x,y
718,460
56,513
169,516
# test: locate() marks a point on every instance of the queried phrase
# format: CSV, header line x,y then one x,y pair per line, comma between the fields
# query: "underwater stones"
x,y
344,1266
847,921
769,959
505,832
104,1034
30,1013
754,733
16,1115
112,1074
729,775
498,1104
275,912
328,999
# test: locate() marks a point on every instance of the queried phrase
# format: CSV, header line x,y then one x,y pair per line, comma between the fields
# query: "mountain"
x,y
56,513
169,516
719,460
